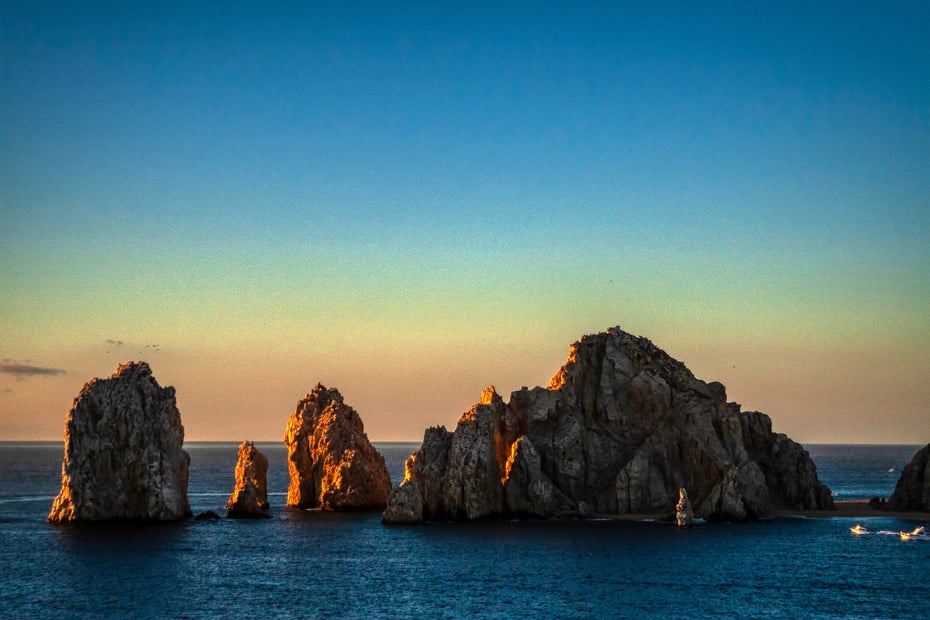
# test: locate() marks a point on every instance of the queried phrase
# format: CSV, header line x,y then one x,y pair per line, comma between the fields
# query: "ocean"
x,y
301,564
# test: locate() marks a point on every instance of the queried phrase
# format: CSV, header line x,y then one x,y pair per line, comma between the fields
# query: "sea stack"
x,y
912,492
123,452
684,516
332,464
620,429
249,500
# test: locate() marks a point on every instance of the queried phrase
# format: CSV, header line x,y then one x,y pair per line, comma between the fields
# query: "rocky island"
x,y
332,464
249,499
621,429
123,452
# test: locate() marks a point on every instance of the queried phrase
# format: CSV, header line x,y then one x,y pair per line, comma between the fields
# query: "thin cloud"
x,y
11,367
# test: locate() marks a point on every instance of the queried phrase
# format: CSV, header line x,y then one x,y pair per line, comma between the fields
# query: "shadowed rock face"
x,y
123,456
912,492
332,464
249,500
620,429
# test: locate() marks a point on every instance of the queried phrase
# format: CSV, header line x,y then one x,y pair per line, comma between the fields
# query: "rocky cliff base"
x,y
332,464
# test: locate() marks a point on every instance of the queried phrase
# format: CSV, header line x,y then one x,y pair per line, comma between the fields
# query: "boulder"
x,y
621,427
123,452
404,505
249,499
912,492
332,464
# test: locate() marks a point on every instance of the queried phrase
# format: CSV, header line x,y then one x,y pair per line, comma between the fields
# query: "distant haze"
x,y
412,203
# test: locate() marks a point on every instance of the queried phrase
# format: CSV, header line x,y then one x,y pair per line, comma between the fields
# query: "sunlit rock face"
x,y
332,464
684,516
912,492
620,429
249,500
123,452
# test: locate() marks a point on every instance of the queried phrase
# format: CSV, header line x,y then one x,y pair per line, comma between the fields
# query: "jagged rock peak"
x,y
620,429
912,491
123,451
588,354
331,462
249,499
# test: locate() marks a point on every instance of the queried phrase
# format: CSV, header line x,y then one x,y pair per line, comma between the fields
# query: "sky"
x,y
412,201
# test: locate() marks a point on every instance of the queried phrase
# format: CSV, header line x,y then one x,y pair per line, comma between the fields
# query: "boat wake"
x,y
918,533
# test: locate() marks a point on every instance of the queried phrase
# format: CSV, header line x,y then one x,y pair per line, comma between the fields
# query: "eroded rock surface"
x,y
249,499
332,464
912,492
620,429
123,452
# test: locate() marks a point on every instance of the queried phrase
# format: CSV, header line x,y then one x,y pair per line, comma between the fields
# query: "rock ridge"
x,y
620,429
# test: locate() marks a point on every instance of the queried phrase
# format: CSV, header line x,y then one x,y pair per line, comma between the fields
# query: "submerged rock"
x,y
249,500
620,429
912,491
123,452
332,464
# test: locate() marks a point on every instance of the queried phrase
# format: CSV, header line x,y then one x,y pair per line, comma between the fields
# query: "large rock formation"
x,y
123,456
620,429
912,492
332,464
249,500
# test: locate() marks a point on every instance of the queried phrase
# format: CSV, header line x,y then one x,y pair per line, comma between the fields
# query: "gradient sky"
x,y
411,201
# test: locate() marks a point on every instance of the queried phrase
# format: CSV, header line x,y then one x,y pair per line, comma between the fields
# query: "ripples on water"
x,y
311,564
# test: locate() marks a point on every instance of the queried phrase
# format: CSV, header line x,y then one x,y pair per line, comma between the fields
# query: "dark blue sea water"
x,y
316,565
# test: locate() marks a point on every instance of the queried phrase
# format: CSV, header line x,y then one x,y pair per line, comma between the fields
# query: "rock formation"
x,y
249,500
123,456
332,464
620,429
684,516
912,492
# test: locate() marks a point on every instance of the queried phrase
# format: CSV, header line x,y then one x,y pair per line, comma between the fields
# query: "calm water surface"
x,y
311,564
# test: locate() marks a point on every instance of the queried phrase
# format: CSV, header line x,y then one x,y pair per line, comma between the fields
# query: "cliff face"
x,y
620,429
123,456
332,464
912,492
249,499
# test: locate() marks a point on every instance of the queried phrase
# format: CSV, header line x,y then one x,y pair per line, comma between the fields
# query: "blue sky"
x,y
440,189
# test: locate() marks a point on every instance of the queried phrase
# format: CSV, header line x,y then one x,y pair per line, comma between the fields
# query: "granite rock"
x,y
684,515
620,429
123,452
249,499
332,464
912,491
